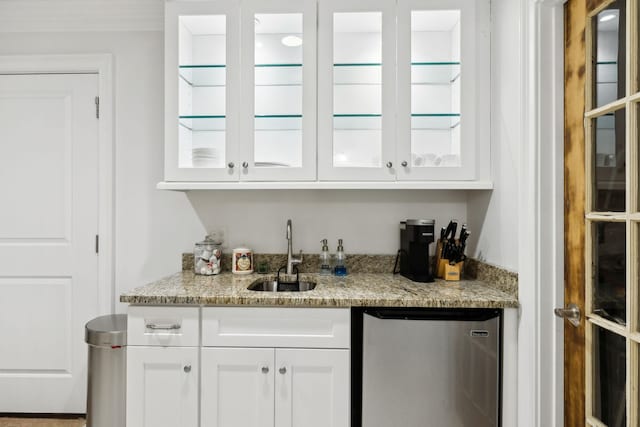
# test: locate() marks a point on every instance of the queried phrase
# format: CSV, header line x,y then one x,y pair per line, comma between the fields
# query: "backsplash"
x,y
310,263
495,277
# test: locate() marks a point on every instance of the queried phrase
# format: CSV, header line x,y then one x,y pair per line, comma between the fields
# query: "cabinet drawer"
x,y
276,327
163,326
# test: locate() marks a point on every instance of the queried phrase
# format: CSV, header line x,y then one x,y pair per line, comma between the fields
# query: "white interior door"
x,y
48,224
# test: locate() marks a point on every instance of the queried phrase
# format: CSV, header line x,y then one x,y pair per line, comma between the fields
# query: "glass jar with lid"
x,y
207,255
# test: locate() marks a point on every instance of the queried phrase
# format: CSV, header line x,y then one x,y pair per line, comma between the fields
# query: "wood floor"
x,y
41,422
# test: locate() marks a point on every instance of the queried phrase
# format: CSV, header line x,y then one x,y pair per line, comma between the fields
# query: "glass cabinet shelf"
x,y
422,73
262,122
203,123
428,73
203,75
444,121
441,121
213,75
357,121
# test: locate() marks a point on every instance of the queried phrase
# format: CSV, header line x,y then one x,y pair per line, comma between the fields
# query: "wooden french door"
x,y
602,212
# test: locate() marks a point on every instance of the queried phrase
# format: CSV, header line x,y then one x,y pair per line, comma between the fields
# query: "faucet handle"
x,y
299,260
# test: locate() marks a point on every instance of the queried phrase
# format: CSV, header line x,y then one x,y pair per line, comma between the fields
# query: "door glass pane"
x,y
435,88
609,170
357,89
609,45
278,90
637,177
609,378
202,91
609,267
635,280
637,53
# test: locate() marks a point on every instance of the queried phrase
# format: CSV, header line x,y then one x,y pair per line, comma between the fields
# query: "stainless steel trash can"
x,y
106,387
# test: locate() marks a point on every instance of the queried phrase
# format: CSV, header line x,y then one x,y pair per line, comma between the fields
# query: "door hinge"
x,y
97,243
97,107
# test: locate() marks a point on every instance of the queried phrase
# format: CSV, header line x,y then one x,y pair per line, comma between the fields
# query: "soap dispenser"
x,y
325,259
340,268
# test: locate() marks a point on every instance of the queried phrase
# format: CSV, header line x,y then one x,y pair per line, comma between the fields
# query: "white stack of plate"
x,y
204,157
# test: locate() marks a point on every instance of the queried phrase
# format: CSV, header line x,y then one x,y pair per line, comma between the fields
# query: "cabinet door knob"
x,y
265,369
282,370
231,165
245,165
389,165
187,368
404,164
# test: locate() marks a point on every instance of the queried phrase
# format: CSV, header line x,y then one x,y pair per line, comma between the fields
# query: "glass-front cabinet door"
x,y
356,90
327,90
278,111
202,69
443,79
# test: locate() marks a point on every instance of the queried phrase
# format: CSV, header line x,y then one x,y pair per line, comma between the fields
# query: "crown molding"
x,y
26,16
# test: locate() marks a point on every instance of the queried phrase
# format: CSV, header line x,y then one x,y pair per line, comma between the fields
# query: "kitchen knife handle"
x,y
454,228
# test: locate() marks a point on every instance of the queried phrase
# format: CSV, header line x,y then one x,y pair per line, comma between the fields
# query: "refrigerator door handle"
x,y
393,313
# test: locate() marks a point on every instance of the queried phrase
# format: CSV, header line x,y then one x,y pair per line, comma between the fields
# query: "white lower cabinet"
x,y
312,388
258,387
238,367
162,386
237,387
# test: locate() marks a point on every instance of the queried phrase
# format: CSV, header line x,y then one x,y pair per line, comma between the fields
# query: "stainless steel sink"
x,y
272,286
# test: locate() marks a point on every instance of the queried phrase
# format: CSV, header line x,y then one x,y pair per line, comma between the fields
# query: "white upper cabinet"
x,y
443,89
240,90
278,110
202,83
356,86
327,94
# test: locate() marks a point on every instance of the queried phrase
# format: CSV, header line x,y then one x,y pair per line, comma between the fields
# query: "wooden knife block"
x,y
443,269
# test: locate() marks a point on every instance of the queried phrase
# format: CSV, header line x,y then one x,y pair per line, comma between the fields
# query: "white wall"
x,y
367,220
152,227
494,215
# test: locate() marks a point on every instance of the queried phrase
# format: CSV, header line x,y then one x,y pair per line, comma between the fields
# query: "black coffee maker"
x,y
415,237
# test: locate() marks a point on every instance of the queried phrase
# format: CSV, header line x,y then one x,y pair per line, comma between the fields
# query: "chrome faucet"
x,y
291,261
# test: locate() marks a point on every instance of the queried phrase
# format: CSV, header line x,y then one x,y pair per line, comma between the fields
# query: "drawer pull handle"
x,y
265,369
187,369
155,327
283,370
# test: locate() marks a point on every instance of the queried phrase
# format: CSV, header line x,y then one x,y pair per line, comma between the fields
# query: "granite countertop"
x,y
357,289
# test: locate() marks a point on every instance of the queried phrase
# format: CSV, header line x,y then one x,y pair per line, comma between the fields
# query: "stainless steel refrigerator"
x,y
427,368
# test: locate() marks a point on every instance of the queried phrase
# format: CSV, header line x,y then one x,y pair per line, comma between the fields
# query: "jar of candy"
x,y
207,256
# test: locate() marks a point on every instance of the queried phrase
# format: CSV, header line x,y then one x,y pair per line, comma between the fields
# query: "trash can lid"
x,y
109,330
